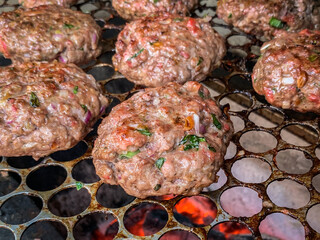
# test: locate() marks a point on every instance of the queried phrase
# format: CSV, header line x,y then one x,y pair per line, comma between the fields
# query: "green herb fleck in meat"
x,y
178,19
212,149
191,142
313,57
200,61
34,100
129,154
75,89
201,94
157,187
276,23
69,26
79,185
230,15
159,163
84,107
136,54
155,1
145,131
216,121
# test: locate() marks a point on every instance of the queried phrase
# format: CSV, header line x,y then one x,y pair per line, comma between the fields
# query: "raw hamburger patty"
x,y
153,51
288,72
166,140
266,18
36,3
134,9
49,32
46,107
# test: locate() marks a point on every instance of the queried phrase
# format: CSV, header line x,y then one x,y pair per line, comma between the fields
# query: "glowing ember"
x,y
195,211
227,231
145,219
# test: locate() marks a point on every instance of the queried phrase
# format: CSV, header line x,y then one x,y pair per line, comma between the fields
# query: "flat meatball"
x,y
134,9
165,140
153,51
49,32
46,107
266,18
288,71
36,3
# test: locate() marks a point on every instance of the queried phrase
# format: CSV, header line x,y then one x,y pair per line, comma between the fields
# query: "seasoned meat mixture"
x,y
267,17
165,140
134,9
153,51
46,107
49,32
36,3
288,72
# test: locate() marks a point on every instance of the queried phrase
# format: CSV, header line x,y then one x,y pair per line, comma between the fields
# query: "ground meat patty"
x,y
49,32
153,51
36,3
134,9
46,107
166,140
266,18
288,72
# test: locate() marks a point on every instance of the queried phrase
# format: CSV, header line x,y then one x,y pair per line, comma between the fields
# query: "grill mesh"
x,y
37,197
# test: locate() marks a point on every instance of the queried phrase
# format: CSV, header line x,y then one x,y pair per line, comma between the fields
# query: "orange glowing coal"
x,y
106,231
200,211
145,219
230,229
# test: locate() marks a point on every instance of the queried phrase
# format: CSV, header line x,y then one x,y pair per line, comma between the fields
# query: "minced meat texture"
x,y
46,107
288,71
153,51
49,32
36,3
267,17
165,140
134,9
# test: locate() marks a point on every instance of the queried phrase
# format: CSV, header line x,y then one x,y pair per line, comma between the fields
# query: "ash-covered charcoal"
x,y
46,107
288,71
36,3
134,9
166,140
153,51
49,32
267,18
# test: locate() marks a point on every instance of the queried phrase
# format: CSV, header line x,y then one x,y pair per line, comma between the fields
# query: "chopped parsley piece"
x,y
155,1
216,121
201,94
200,61
75,89
178,19
34,100
136,54
84,107
159,163
129,154
17,14
276,23
192,141
230,15
145,131
157,187
79,185
69,26
212,149
313,57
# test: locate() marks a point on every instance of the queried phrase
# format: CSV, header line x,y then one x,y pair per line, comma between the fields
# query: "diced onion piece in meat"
x,y
288,80
88,117
196,120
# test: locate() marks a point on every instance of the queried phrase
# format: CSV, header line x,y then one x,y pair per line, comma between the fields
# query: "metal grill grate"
x,y
40,199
